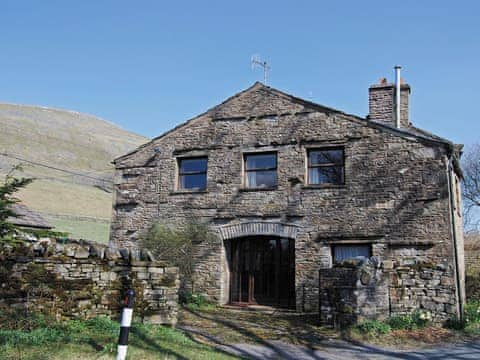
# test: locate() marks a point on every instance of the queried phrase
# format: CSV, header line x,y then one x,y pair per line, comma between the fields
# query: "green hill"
x,y
70,156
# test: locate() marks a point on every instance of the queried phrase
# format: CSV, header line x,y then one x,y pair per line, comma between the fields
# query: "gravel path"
x,y
335,350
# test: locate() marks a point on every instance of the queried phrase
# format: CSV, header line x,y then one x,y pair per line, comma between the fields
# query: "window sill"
x,y
273,188
324,186
188,191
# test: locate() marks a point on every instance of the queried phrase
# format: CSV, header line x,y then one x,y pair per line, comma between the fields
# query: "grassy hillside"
x,y
70,155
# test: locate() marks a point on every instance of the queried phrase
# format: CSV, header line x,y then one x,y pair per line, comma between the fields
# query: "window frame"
x,y
247,171
309,166
180,173
334,246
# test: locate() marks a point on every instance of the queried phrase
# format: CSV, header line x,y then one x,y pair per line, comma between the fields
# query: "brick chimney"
x,y
381,101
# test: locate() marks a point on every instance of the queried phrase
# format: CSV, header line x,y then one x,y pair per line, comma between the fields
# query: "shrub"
x,y
176,247
472,312
194,300
471,316
417,319
374,327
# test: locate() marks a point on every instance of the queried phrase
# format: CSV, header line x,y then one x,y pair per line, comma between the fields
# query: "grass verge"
x,y
415,329
96,339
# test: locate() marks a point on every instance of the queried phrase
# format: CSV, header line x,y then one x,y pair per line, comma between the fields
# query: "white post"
x,y
125,326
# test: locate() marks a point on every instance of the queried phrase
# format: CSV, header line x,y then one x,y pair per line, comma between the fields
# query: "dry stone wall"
x,y
472,260
84,279
352,292
472,265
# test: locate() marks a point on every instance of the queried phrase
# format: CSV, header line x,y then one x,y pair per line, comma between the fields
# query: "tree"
x,y
471,187
9,187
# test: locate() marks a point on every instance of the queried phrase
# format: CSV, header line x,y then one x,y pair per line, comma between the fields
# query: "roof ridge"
x,y
421,134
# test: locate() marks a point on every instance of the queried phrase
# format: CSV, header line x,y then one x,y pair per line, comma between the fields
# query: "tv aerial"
x,y
256,62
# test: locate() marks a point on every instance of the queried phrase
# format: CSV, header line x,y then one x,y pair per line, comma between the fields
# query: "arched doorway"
x,y
262,271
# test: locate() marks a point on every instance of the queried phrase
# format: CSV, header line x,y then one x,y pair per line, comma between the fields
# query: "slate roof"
x,y
28,218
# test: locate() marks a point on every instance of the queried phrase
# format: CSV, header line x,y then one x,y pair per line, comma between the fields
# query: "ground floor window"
x,y
350,251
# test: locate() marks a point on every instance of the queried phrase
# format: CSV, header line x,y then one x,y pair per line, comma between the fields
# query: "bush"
x,y
472,312
416,320
176,247
194,300
374,327
471,317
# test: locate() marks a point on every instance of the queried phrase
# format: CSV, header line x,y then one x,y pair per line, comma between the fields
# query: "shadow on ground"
x,y
284,335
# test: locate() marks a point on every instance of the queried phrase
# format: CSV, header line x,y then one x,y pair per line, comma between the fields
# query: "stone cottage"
x,y
293,189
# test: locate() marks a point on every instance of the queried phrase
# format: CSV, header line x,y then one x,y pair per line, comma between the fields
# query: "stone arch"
x,y
257,228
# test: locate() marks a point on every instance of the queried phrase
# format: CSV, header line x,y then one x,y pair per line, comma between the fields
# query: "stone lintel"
x,y
258,228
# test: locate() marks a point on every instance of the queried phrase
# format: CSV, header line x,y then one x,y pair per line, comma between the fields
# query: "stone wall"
x,y
84,279
356,290
472,264
395,196
353,291
472,260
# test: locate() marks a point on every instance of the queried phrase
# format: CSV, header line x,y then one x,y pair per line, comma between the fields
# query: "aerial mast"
x,y
256,62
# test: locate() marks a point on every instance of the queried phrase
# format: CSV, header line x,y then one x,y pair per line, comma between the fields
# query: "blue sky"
x,y
149,65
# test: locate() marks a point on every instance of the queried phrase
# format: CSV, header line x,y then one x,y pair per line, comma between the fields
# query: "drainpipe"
x,y
397,95
454,237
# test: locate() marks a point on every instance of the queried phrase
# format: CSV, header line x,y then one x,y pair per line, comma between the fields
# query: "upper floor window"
x,y
326,166
261,170
192,173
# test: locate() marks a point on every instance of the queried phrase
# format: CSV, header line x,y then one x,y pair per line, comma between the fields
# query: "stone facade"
x,y
397,196
84,279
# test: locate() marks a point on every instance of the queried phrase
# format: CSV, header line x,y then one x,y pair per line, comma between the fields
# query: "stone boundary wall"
x,y
472,261
472,272
357,290
79,279
352,292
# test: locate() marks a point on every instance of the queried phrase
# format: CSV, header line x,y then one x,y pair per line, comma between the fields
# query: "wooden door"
x,y
262,271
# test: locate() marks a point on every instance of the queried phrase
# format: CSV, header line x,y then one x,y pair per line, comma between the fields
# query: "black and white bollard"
x,y
125,325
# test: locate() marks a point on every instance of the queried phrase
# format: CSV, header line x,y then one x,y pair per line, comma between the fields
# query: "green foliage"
x,y
42,330
472,285
194,301
176,247
35,336
373,327
416,320
471,317
472,312
10,186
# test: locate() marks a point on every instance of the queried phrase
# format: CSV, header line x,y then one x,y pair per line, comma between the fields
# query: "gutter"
x,y
450,169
